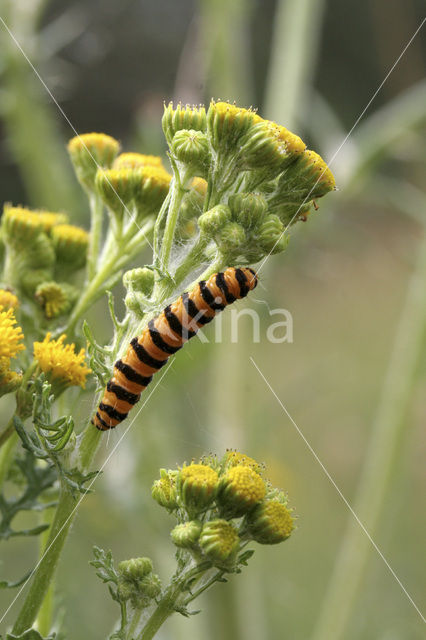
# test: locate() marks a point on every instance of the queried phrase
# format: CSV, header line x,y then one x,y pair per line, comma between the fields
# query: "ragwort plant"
x,y
237,183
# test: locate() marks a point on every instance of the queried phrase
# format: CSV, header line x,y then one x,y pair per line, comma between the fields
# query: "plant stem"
x,y
294,48
96,211
45,569
172,217
6,452
376,476
45,616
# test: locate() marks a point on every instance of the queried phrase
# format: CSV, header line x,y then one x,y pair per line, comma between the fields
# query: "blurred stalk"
x,y
224,36
30,122
45,615
375,479
294,52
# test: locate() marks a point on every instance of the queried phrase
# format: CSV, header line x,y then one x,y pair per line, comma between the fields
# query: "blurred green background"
x,y
353,279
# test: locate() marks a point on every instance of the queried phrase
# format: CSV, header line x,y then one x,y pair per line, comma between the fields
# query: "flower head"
x,y
90,151
219,541
197,486
240,489
70,244
164,489
186,535
8,300
21,224
131,160
11,336
183,117
228,123
151,187
61,361
55,298
236,458
270,522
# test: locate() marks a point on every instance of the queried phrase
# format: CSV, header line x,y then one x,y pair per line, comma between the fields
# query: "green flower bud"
x,y
220,542
270,522
151,187
232,238
235,459
140,279
269,145
248,208
213,221
70,244
192,149
137,583
271,236
197,487
227,124
20,226
186,535
56,298
240,489
183,117
308,177
135,569
117,188
90,151
164,490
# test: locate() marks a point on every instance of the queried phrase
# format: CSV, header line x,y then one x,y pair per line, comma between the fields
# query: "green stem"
x,y
45,569
6,452
45,616
96,211
294,48
377,473
172,217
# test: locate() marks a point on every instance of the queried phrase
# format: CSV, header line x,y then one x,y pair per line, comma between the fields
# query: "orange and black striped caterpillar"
x,y
164,335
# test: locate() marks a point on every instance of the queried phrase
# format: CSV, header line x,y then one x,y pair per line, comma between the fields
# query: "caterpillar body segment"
x,y
165,335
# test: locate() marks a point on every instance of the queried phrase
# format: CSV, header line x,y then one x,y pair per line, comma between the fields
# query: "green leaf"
x,y
104,563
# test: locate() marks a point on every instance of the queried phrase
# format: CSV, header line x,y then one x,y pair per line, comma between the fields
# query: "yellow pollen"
x,y
70,234
10,335
234,458
280,520
133,160
61,360
38,219
246,483
199,475
8,300
321,169
93,141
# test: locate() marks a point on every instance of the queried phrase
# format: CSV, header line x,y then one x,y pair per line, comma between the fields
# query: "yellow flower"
x,y
219,540
10,335
70,244
227,123
197,486
61,361
320,170
131,160
235,458
55,298
183,117
8,300
21,221
240,489
152,186
200,185
90,151
270,522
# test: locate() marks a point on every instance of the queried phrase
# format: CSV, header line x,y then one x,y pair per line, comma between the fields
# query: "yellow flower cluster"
x,y
11,336
61,361
8,300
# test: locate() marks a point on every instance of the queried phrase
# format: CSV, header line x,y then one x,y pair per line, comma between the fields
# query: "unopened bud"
x,y
248,208
151,187
130,160
220,542
232,237
270,522
116,188
164,490
227,124
269,145
70,244
271,236
183,117
89,152
186,535
192,149
197,487
240,489
56,298
213,221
